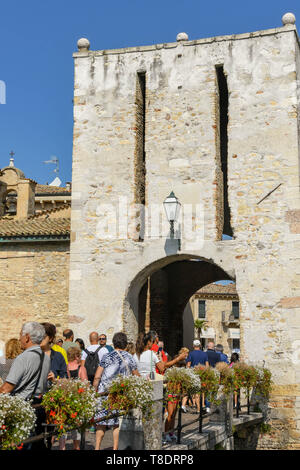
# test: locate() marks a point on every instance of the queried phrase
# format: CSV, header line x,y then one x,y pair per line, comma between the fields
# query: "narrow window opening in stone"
x,y
223,124
201,309
140,155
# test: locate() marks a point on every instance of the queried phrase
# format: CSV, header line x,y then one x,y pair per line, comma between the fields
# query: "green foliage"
x,y
264,382
245,376
265,428
227,378
219,447
200,325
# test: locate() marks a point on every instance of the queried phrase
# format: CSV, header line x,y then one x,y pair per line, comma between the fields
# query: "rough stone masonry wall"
x,y
263,257
263,154
33,286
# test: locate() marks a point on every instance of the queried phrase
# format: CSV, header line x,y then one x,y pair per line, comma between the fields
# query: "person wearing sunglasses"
x,y
102,342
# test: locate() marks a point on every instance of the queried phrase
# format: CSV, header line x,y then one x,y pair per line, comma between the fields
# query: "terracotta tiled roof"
x,y
218,289
34,227
42,189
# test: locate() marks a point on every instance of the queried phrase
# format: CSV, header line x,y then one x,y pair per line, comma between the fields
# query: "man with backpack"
x,y
92,355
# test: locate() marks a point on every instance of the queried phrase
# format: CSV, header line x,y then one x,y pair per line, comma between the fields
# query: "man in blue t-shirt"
x,y
213,356
194,358
219,349
197,356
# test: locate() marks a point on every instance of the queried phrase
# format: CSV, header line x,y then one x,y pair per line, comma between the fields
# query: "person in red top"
x,y
158,349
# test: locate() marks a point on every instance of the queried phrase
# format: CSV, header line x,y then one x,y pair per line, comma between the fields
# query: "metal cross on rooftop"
x,y
11,161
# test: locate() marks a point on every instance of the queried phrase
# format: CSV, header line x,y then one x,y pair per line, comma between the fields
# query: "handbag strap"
x,y
124,362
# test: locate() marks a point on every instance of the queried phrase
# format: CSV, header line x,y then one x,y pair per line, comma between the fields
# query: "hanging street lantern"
x,y
172,208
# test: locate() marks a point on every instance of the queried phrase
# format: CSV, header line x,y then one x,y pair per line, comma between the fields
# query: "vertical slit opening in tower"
x,y
223,125
140,154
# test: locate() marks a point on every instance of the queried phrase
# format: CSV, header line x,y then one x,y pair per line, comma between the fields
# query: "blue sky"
x,y
38,39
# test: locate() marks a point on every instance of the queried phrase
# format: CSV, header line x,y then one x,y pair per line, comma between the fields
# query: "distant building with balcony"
x,y
218,305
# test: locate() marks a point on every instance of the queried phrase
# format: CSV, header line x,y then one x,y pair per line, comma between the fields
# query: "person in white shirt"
x,y
94,338
92,356
147,360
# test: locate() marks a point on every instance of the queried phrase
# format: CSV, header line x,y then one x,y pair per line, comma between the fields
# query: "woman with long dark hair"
x,y
147,360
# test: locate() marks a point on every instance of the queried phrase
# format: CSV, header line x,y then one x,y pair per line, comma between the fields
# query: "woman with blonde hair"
x,y
130,348
172,404
12,350
75,371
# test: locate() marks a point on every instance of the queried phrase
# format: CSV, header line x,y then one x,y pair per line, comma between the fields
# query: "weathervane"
x,y
54,160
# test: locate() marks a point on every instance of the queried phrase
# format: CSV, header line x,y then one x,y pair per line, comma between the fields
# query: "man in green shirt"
x,y
69,340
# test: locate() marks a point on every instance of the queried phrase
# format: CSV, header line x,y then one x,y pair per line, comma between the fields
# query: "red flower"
x,y
122,385
80,390
20,447
73,415
3,427
52,413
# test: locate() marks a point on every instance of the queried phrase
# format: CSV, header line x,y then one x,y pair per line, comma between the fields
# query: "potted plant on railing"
x,y
227,378
181,382
128,393
17,420
70,404
264,382
245,378
210,382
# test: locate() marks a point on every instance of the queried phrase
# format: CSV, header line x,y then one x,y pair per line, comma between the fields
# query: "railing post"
x,y
236,403
179,422
82,438
200,416
224,415
135,434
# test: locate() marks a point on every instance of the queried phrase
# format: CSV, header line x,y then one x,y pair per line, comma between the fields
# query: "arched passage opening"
x,y
158,296
217,308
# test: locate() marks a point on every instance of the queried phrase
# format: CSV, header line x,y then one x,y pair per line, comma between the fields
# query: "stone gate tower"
x,y
216,121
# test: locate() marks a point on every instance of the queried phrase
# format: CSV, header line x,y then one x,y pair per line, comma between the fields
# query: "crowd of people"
x,y
38,358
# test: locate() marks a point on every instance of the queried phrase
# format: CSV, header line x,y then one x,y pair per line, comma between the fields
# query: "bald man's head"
x,y
94,338
68,334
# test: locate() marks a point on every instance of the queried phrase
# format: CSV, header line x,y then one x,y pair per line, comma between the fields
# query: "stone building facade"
x,y
218,306
216,121
34,254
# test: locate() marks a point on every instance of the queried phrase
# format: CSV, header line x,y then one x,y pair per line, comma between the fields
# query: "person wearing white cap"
x,y
194,358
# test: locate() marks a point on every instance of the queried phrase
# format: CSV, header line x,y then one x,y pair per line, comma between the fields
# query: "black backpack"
x,y
91,363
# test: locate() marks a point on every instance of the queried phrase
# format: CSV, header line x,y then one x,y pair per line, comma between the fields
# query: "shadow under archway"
x,y
171,286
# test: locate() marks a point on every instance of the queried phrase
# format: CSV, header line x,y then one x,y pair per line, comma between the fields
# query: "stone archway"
x,y
172,282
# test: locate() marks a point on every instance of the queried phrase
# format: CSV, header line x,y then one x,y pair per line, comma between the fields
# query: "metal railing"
x,y
203,414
